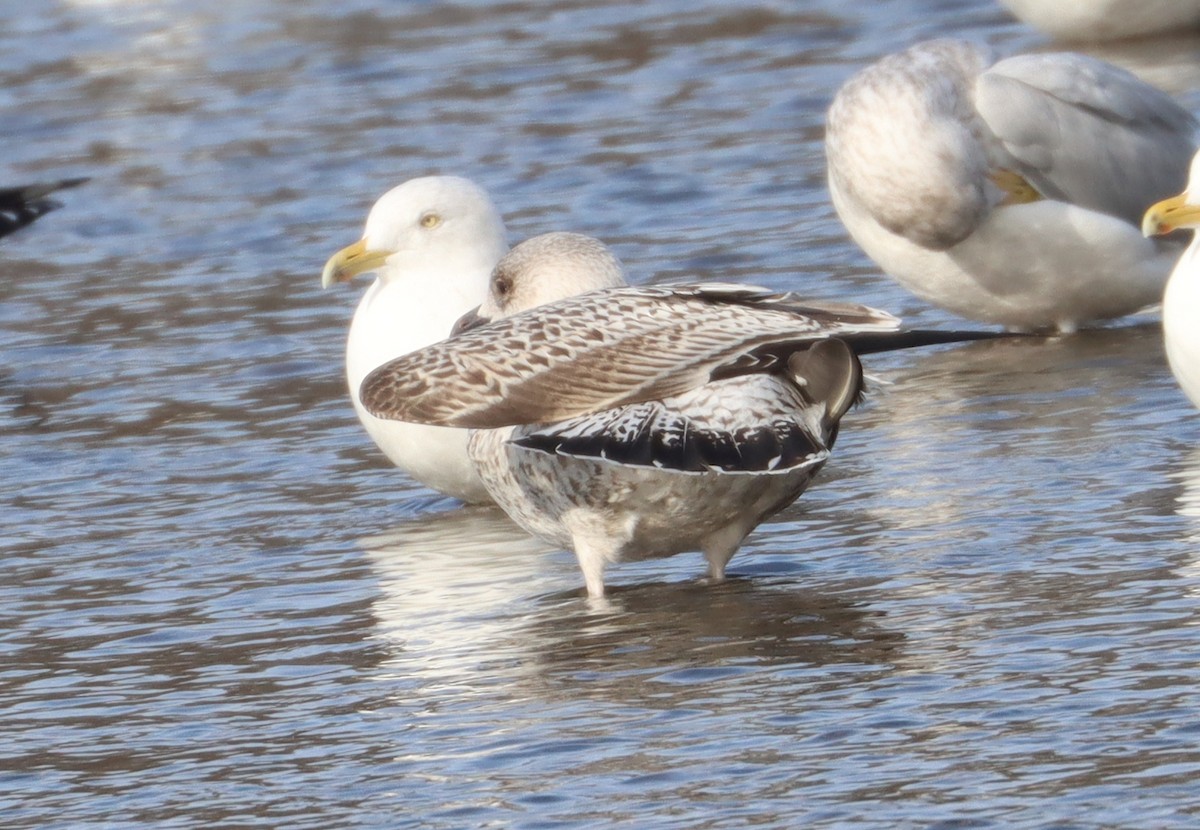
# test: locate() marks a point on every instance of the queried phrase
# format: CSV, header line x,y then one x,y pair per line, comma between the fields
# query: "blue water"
x,y
219,606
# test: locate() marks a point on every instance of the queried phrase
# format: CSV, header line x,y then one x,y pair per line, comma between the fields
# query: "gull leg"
x,y
593,555
596,543
593,574
720,547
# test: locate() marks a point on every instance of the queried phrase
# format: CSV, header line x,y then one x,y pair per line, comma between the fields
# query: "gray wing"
x,y
604,350
1084,131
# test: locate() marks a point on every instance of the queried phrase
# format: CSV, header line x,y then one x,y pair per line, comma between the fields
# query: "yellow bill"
x,y
1170,214
351,261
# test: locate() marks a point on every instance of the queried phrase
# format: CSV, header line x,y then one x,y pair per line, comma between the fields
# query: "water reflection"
x,y
465,593
666,644
1008,437
1187,504
449,578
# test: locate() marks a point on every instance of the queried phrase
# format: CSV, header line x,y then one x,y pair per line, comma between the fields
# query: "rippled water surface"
x,y
219,606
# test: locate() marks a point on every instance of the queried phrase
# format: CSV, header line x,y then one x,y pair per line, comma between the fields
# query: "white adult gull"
x,y
1010,193
626,423
432,243
1181,302
1093,20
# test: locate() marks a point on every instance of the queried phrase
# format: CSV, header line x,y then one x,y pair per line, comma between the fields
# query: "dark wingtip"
x,y
872,342
470,320
22,205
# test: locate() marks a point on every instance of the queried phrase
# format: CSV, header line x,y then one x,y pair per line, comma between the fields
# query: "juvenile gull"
x,y
1181,303
432,243
1009,193
627,423
21,205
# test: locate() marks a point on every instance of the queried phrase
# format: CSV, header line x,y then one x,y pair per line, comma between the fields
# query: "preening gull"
x,y
20,206
626,423
1092,20
432,243
1009,193
1181,302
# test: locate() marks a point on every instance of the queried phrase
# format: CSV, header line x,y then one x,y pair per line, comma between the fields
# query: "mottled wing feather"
x,y
602,350
1086,132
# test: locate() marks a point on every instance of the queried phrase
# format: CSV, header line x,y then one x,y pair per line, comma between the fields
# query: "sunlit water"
x,y
220,607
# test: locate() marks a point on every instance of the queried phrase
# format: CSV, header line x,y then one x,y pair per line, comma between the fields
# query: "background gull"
x,y
1009,193
1181,302
636,422
21,205
1084,20
432,243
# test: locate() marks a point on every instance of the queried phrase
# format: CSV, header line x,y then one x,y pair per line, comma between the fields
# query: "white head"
x,y
547,268
434,223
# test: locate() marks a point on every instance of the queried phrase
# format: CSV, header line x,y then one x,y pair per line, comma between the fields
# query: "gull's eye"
x,y
501,286
430,220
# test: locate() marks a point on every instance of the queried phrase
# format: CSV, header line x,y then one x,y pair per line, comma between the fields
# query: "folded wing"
x,y
604,350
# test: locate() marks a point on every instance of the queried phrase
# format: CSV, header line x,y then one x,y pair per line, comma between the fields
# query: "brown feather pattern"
x,y
602,350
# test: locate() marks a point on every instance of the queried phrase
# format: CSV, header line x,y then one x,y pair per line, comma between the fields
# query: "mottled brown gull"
x,y
1181,303
626,423
1011,192
432,243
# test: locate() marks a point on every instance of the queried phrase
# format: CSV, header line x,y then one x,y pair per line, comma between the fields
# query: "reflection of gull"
x,y
1010,194
432,243
1188,501
1187,506
466,589
450,579
19,206
661,643
1181,303
636,422
1106,19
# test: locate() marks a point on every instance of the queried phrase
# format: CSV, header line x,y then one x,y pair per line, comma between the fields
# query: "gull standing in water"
x,y
1181,303
1010,193
432,243
628,423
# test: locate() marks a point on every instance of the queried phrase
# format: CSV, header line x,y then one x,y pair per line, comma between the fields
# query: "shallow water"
x,y
221,607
